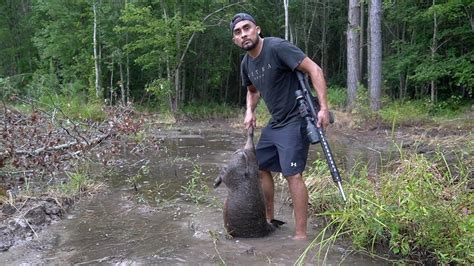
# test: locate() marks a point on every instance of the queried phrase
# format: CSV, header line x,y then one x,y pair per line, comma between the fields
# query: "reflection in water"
x,y
164,228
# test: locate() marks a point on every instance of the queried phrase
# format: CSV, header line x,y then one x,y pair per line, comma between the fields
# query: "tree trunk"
x,y
375,82
183,85
128,79
176,103
434,44
112,82
403,76
361,41
353,57
98,89
285,6
177,72
368,47
307,32
169,75
324,31
122,85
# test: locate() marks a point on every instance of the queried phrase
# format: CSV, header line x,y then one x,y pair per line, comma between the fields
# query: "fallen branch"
x,y
59,147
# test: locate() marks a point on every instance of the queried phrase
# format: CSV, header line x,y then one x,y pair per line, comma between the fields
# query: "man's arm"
x,y
253,95
319,83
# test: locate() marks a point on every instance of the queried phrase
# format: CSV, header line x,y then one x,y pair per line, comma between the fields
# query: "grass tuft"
x,y
196,189
78,185
417,209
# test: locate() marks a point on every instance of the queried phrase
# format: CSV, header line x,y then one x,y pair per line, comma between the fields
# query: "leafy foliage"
x,y
62,33
337,96
186,45
433,44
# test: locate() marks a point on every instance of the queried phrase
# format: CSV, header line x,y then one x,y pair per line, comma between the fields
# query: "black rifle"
x,y
316,134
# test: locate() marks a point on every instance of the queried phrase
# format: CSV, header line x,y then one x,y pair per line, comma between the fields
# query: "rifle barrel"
x,y
336,177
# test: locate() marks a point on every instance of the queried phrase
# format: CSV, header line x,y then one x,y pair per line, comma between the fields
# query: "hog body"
x,y
244,208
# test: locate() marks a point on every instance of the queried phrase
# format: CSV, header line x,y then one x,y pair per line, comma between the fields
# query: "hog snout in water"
x,y
244,208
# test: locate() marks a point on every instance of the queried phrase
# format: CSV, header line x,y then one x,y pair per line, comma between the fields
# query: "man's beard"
x,y
252,45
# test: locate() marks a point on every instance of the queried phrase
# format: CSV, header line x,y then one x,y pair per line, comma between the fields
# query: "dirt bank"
x,y
26,217
42,150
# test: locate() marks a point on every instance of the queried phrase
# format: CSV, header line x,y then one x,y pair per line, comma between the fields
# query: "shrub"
x,y
337,96
196,189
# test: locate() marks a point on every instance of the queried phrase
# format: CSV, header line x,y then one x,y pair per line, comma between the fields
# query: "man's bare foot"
x,y
300,237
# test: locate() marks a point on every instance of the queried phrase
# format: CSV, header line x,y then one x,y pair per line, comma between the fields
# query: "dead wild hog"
x,y
244,208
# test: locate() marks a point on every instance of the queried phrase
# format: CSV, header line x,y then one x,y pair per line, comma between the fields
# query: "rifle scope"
x,y
311,131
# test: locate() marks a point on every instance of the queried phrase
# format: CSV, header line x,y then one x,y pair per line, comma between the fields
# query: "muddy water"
x,y
155,224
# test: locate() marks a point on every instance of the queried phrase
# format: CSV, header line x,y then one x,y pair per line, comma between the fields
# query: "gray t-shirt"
x,y
272,73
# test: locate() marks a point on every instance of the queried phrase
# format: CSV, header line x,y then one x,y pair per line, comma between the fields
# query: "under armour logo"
x,y
292,164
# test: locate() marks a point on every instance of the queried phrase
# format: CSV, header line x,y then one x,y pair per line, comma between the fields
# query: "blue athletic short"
x,y
284,149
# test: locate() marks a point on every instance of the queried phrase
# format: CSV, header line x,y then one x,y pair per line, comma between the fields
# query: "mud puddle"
x,y
155,224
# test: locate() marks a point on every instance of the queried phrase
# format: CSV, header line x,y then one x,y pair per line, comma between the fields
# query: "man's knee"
x,y
294,178
296,183
267,175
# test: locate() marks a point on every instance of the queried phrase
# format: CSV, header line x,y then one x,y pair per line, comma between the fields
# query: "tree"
x,y
375,53
98,89
418,59
63,38
80,47
17,52
353,52
287,22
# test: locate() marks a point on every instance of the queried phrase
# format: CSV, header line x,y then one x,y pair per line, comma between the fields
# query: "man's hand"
x,y
251,102
250,119
323,118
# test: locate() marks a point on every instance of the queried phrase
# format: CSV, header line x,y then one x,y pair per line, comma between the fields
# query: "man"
x,y
268,72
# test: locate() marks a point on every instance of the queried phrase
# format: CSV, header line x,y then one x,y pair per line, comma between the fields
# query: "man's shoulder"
x,y
272,41
243,63
244,58
277,45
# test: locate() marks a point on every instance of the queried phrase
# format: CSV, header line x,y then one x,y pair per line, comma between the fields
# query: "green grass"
x,y
421,112
416,209
196,189
404,113
136,179
74,107
78,184
262,114
337,96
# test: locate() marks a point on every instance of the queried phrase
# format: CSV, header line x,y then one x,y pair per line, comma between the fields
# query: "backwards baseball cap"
x,y
240,17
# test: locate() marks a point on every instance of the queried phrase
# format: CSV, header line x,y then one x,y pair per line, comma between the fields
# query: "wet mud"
x,y
152,222
23,220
